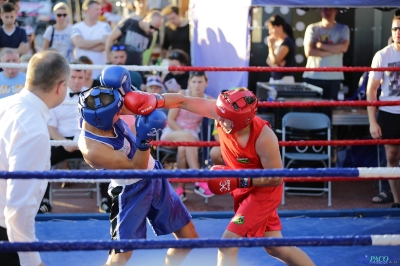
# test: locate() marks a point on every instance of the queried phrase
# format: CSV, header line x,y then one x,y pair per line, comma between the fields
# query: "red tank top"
x,y
238,157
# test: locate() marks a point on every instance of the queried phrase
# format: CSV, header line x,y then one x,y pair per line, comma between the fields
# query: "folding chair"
x,y
75,164
300,126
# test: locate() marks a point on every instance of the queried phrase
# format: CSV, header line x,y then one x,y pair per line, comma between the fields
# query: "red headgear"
x,y
239,106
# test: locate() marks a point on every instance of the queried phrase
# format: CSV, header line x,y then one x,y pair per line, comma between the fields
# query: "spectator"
x,y
118,56
89,81
325,42
17,8
177,30
58,36
30,33
105,7
281,47
2,2
25,146
185,126
12,80
154,84
385,195
63,125
387,124
89,36
175,81
136,35
139,8
12,36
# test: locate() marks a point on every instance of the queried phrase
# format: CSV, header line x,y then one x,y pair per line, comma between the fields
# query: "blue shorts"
x,y
154,199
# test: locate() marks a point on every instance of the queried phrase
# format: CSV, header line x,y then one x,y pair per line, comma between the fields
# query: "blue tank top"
x,y
124,140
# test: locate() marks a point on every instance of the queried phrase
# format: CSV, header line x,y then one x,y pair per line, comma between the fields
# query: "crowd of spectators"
x,y
131,41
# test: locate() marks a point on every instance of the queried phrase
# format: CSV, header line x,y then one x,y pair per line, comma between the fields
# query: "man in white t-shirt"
x,y
387,126
89,36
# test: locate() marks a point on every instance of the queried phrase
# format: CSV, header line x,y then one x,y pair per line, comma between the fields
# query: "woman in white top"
x,y
58,36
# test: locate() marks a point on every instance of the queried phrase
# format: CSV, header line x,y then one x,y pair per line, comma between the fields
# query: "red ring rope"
x,y
300,179
283,69
326,103
286,143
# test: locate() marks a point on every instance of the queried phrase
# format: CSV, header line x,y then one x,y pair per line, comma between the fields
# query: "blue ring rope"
x,y
152,174
358,240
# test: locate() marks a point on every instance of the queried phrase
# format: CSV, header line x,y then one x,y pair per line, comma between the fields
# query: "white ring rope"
x,y
71,180
68,102
94,67
385,240
63,143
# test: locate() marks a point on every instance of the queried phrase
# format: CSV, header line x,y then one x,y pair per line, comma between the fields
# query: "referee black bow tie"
x,y
71,94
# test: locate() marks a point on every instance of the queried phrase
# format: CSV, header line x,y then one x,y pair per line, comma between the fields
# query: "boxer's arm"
x,y
100,156
267,149
200,106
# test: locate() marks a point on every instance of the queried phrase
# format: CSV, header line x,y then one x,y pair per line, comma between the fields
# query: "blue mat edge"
x,y
362,212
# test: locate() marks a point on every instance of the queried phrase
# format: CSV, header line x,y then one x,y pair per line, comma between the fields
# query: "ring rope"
x,y
356,240
281,143
360,172
226,69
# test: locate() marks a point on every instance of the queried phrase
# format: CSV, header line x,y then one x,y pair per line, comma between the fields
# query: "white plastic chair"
x,y
297,126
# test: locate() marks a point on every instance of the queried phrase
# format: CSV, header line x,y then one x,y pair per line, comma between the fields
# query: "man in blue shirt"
x,y
12,36
12,80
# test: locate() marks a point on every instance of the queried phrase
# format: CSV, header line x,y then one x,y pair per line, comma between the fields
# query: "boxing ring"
x,y
208,227
351,237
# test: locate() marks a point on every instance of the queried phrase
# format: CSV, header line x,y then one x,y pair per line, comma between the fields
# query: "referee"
x,y
25,146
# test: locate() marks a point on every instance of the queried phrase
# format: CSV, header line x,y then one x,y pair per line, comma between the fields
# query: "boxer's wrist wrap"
x,y
245,182
160,100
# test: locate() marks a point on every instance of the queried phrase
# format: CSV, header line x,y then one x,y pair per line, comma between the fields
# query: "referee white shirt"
x,y
24,146
65,117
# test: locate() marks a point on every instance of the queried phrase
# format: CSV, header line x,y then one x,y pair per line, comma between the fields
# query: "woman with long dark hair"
x,y
281,47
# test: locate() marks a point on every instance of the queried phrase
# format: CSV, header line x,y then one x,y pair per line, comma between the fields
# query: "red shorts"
x,y
255,214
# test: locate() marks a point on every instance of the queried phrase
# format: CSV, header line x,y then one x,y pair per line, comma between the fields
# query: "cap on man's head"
x,y
154,81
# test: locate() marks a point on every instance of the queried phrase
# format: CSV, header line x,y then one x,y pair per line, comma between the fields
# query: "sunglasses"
x,y
154,28
174,55
395,29
61,15
118,48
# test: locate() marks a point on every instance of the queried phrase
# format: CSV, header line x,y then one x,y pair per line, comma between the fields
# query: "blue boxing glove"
x,y
147,127
117,77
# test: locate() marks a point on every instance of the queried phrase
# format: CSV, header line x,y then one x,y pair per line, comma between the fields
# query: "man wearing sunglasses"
x,y
387,126
118,57
136,35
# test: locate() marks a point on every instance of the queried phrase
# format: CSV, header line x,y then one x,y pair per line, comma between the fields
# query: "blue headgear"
x,y
101,116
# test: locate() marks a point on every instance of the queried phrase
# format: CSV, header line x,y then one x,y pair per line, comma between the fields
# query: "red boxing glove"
x,y
221,186
143,103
